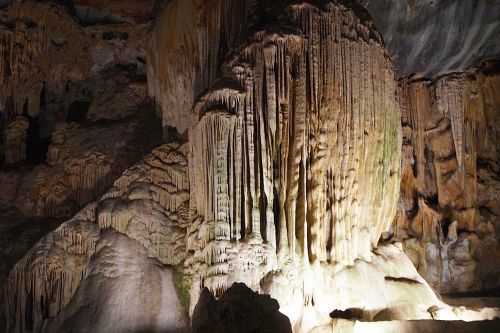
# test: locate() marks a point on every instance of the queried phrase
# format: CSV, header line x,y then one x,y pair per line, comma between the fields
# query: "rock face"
x,y
74,110
431,38
284,176
82,162
281,143
54,67
449,207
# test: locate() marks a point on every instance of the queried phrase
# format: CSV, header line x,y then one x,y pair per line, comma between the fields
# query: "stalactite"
x,y
454,100
312,128
444,126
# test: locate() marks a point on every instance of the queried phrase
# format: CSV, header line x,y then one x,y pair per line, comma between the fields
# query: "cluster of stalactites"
x,y
453,100
307,159
429,109
185,50
27,67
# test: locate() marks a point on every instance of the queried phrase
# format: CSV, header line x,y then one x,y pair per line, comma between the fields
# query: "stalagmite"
x,y
308,127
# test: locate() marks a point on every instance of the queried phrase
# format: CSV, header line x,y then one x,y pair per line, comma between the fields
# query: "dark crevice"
x,y
2,140
29,312
276,213
446,222
351,313
114,35
401,280
37,144
77,112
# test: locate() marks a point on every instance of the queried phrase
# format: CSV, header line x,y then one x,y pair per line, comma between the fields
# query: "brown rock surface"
x,y
449,216
74,114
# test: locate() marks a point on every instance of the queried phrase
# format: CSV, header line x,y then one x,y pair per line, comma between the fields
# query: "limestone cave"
x,y
260,166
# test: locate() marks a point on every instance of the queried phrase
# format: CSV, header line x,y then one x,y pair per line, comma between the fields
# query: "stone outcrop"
x,y
449,218
239,309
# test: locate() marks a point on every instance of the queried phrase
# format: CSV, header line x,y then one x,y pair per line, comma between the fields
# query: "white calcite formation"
x,y
111,254
295,152
289,176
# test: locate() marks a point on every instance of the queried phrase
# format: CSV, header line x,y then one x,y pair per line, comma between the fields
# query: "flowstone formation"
x,y
284,176
449,208
103,271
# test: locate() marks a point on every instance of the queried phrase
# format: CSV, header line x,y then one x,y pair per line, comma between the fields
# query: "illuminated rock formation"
x,y
284,176
141,219
449,206
297,133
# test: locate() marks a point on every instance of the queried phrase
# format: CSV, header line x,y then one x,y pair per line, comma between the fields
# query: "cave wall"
x,y
74,111
50,59
304,174
449,202
66,70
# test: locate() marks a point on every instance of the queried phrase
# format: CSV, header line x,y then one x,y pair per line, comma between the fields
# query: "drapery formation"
x,y
297,145
448,205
